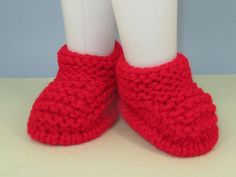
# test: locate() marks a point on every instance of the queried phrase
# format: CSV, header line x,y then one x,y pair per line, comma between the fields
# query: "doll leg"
x,y
148,30
89,26
79,105
158,97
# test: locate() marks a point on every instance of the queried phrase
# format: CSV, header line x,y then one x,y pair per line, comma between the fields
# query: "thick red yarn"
x,y
167,108
80,104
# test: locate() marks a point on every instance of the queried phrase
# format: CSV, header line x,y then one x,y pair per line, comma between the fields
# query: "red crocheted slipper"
x,y
80,104
167,108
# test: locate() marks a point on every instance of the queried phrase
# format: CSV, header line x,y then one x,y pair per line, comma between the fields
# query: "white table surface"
x,y
118,153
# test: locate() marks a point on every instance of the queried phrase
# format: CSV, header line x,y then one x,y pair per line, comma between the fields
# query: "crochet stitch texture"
x,y
167,108
80,103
